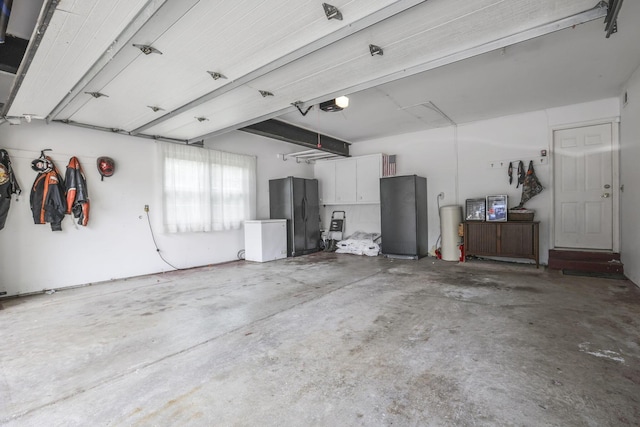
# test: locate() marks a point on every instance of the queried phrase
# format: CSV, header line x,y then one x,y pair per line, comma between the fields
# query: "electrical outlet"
x,y
146,208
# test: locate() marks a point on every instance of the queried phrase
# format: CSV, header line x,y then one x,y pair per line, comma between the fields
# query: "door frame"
x,y
615,171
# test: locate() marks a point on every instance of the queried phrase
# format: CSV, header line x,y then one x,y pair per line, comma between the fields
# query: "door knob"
x,y
605,195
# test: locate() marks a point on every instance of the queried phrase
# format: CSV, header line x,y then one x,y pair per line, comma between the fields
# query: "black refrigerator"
x,y
297,201
403,215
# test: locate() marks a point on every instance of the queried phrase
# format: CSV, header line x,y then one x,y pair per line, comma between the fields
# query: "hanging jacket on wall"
x,y
47,197
8,186
77,195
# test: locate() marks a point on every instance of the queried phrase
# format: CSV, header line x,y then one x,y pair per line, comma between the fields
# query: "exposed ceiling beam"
x,y
296,135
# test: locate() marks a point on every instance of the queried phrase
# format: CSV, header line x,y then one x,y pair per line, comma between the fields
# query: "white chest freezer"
x,y
265,240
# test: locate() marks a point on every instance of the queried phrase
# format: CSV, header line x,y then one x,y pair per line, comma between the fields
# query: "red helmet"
x,y
106,166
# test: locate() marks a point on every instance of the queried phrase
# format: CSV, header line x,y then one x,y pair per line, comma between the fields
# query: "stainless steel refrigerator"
x,y
297,201
403,215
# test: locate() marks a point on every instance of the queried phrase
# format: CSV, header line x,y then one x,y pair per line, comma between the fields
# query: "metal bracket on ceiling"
x,y
146,49
201,119
375,50
120,131
308,156
155,109
611,20
216,76
297,104
332,12
96,94
265,93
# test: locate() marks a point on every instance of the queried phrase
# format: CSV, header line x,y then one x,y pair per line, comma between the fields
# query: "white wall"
x,y
117,243
431,154
270,163
456,160
630,178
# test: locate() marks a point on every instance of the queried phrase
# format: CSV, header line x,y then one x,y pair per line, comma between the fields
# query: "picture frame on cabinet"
x,y
475,209
497,208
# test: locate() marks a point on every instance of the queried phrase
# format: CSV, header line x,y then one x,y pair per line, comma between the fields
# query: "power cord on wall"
x,y
146,209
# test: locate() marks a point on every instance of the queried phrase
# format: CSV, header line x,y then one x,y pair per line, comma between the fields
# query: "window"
x,y
206,190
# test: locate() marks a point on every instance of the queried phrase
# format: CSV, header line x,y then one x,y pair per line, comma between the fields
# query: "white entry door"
x,y
583,187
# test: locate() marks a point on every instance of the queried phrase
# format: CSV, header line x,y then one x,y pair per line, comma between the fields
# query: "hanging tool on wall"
x,y
510,172
521,174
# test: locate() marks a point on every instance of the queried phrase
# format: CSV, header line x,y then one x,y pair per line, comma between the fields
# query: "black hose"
x,y
156,245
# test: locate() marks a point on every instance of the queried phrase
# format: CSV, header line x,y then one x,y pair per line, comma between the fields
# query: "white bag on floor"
x,y
359,243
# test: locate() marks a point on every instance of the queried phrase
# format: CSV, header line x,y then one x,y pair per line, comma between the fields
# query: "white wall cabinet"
x,y
325,173
368,173
355,180
346,177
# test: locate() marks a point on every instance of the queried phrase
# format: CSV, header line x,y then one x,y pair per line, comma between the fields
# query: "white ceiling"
x,y
567,67
289,48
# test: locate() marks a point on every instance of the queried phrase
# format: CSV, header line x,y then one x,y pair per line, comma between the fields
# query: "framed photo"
x,y
497,208
475,209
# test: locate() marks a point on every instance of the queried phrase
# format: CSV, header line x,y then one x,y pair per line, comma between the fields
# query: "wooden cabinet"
x,y
355,180
513,239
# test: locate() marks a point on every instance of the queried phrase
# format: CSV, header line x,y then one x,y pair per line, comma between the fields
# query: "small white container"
x,y
265,240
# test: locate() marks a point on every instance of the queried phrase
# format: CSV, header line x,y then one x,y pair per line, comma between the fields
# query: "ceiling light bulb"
x,y
342,101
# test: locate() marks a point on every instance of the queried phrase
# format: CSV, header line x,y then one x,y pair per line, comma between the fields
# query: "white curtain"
x,y
206,190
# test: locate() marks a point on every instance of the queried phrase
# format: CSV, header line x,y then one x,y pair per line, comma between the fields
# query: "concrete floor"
x,y
326,340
